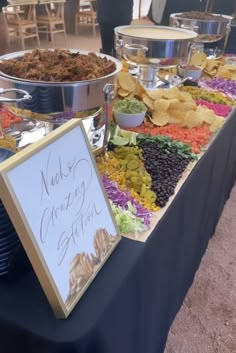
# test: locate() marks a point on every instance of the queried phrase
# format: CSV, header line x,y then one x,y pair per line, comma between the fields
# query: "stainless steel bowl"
x,y
54,97
29,130
208,30
53,103
168,44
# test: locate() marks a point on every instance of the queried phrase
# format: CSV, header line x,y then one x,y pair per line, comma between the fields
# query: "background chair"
x,y
86,15
21,20
53,22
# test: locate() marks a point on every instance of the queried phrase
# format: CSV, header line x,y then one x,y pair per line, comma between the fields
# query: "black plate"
x,y
5,229
6,255
8,237
10,243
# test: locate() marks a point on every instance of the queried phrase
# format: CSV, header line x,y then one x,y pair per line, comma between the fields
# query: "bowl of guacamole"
x,y
129,112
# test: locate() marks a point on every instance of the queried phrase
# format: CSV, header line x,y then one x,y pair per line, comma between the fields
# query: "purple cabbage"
x,y
63,115
228,87
121,198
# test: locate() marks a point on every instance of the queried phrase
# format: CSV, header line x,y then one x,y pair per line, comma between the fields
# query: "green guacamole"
x,y
130,106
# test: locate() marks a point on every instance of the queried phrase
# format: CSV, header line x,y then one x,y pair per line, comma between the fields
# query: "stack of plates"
x,y
9,241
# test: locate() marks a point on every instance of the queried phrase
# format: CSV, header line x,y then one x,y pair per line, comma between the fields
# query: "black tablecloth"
x,y
131,304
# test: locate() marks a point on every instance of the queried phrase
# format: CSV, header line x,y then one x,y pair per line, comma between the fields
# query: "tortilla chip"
x,y
233,76
122,92
217,124
148,101
223,72
230,67
126,81
211,65
211,73
170,93
139,90
161,105
199,59
155,94
184,96
193,119
206,114
160,119
176,117
186,106
174,103
8,142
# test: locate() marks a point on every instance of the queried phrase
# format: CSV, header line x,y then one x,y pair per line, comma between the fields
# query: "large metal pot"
x,y
52,103
168,44
208,30
54,97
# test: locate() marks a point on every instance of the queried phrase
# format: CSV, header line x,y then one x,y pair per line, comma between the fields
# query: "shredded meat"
x,y
58,66
197,15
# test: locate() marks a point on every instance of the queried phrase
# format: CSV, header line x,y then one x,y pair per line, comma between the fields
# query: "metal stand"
x,y
226,38
209,8
109,93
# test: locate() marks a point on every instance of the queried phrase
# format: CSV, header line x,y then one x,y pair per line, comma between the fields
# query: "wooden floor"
x,y
85,40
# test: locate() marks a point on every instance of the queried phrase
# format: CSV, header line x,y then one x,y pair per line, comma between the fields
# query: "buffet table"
x,y
132,303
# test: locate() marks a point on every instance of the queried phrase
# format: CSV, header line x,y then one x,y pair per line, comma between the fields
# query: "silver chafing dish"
x,y
148,48
209,30
53,103
156,44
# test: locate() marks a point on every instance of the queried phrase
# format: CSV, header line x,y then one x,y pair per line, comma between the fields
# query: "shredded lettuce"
x,y
127,221
124,200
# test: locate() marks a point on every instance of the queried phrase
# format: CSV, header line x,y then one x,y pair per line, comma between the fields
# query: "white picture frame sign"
x,y
55,199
